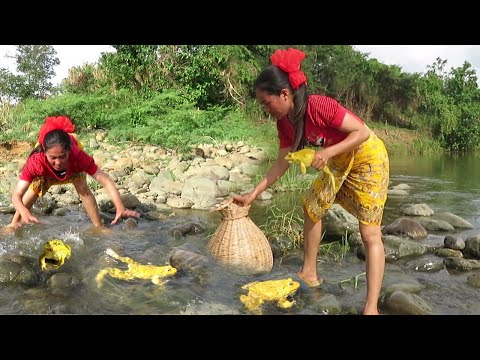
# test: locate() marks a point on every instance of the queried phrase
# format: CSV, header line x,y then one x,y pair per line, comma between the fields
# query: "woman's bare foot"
x,y
9,229
311,281
373,311
102,229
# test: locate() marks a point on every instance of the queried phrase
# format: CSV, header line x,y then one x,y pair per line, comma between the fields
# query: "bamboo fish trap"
x,y
238,243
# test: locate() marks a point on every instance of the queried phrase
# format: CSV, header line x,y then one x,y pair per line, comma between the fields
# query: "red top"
x,y
78,161
323,117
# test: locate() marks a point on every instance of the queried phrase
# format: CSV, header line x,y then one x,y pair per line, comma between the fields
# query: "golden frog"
x,y
270,290
135,271
303,157
55,252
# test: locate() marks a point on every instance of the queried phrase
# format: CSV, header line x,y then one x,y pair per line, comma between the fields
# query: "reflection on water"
x,y
448,183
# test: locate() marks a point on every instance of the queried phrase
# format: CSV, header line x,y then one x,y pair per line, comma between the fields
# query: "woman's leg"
x,y
28,200
375,265
88,200
312,234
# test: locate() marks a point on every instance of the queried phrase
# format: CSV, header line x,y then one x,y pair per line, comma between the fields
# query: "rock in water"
x,y
191,263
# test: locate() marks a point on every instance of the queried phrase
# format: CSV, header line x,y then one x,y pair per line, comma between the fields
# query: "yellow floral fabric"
x,y
358,181
41,184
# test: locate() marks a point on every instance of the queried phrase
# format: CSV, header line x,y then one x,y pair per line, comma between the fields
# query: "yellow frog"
x,y
135,271
304,158
55,252
270,290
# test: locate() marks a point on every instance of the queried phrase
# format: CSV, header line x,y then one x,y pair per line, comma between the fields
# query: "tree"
x,y
132,67
35,67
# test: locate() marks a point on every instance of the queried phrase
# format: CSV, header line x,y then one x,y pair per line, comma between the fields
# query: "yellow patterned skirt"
x,y
358,181
41,184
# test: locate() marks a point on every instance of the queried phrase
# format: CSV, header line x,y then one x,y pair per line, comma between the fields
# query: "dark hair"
x,y
273,80
54,137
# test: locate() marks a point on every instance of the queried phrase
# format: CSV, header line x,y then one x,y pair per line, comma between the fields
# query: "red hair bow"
x,y
289,61
55,123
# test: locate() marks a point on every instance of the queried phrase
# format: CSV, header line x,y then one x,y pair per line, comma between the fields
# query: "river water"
x,y
445,183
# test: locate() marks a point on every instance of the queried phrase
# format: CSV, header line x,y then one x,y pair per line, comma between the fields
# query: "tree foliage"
x,y
35,64
450,105
216,79
132,66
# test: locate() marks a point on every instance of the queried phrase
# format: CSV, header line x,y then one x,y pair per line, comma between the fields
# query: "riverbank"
x,y
401,141
397,141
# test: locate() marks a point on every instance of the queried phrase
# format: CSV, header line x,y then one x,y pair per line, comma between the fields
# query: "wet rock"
x,y
187,229
454,242
472,246
431,224
107,218
454,220
338,222
474,280
190,262
44,205
401,303
399,281
61,211
397,192
7,210
294,257
418,210
397,248
62,280
155,215
281,245
209,308
427,265
461,264
328,304
448,253
130,201
406,227
180,203
355,240
401,187
11,271
131,223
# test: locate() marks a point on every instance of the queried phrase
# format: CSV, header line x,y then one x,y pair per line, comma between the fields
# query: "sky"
x,y
411,58
69,56
416,58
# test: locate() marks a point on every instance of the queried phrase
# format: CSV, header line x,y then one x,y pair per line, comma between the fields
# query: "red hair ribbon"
x,y
55,123
289,61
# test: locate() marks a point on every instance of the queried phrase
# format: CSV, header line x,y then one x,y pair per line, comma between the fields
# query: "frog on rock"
x,y
135,271
270,290
55,252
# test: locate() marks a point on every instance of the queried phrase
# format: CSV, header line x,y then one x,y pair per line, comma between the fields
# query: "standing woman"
x,y
60,159
355,155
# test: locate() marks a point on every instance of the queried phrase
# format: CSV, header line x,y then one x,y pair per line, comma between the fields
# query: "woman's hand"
x,y
320,160
27,218
124,213
24,219
244,199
